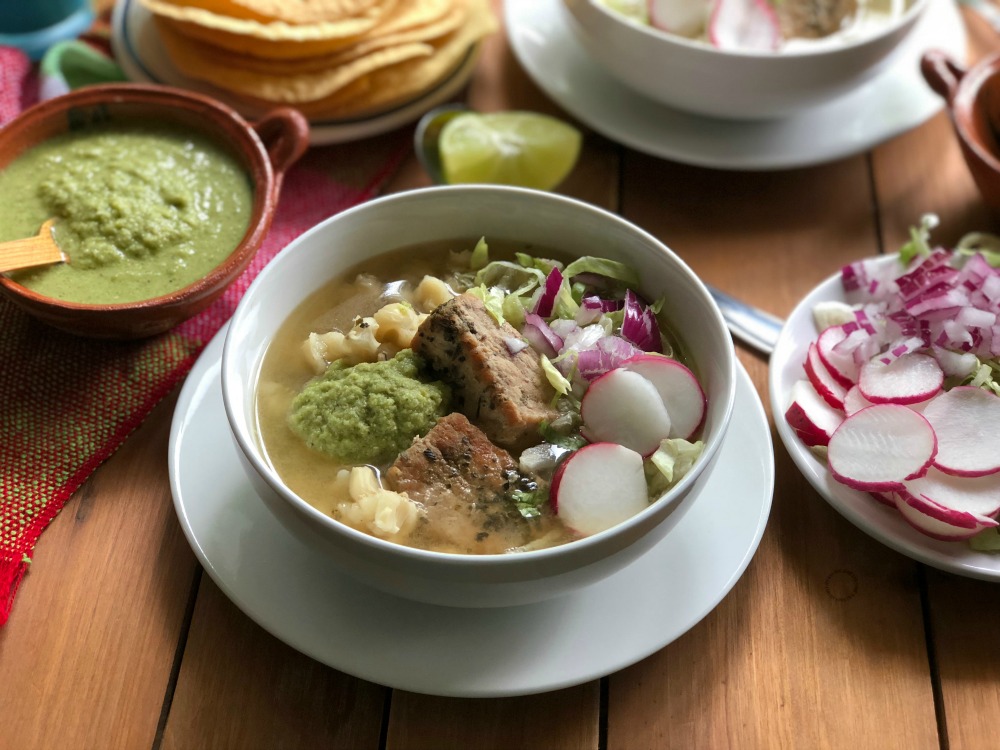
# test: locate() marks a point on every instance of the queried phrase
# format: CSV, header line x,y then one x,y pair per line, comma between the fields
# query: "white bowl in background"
x,y
463,213
694,76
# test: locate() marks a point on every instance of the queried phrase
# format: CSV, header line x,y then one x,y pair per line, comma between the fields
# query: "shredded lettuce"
x,y
492,298
984,375
671,461
987,245
556,379
920,239
603,267
986,541
565,305
542,264
510,277
480,255
513,308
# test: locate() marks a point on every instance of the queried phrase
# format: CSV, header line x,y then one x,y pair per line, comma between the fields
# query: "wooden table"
x,y
829,640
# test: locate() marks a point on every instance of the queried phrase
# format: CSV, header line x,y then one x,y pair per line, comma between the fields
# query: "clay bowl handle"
x,y
285,135
942,73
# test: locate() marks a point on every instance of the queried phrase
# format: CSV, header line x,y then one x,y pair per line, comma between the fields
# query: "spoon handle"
x,y
749,324
30,251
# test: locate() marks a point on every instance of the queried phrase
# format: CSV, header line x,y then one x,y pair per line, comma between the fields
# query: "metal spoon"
x,y
751,325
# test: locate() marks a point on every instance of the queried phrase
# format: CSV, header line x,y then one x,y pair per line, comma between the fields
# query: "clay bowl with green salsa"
x,y
160,198
322,412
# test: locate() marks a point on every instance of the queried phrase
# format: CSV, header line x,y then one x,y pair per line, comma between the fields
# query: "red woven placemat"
x,y
67,403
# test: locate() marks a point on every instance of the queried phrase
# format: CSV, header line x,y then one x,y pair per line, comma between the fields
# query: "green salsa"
x,y
369,412
140,210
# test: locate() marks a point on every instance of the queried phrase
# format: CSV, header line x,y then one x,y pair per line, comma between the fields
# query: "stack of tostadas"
x,y
331,59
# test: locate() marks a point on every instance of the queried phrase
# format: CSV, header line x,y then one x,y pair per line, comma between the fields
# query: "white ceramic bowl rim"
x,y
251,450
916,7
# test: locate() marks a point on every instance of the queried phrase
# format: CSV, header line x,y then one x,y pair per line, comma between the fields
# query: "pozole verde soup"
x,y
473,398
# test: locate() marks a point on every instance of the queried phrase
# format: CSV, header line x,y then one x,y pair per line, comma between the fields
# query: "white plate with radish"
x,y
881,424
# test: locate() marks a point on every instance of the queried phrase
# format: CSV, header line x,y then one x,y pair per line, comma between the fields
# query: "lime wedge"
x,y
508,148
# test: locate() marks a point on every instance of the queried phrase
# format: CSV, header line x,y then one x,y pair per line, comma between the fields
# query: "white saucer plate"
x,y
140,52
894,101
879,521
302,599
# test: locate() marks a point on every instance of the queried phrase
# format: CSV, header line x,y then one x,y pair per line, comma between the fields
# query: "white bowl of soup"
x,y
819,49
411,388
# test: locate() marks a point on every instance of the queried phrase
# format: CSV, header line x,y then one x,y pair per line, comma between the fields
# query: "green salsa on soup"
x,y
140,211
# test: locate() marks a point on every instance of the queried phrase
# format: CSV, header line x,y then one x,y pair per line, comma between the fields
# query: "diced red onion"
x,y
639,325
515,345
604,305
547,300
583,338
563,328
941,299
540,335
607,354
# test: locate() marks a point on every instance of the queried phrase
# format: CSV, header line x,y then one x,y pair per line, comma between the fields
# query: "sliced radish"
x,y
813,420
979,496
879,447
684,17
910,379
885,498
841,366
938,522
599,486
831,391
678,388
624,407
744,25
855,401
966,420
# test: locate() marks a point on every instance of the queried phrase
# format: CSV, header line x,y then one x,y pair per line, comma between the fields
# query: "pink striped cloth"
x,y
51,443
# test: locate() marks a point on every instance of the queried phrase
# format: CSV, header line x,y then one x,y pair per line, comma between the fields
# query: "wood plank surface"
x,y
752,675
923,171
562,719
86,657
239,687
116,641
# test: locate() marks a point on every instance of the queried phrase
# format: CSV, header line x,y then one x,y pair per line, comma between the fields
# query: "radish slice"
x,y
841,366
885,498
854,401
910,379
599,486
966,420
623,407
683,17
813,420
879,447
938,522
678,388
831,391
744,25
978,496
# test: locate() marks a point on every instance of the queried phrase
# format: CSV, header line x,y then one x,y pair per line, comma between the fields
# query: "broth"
x,y
462,524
